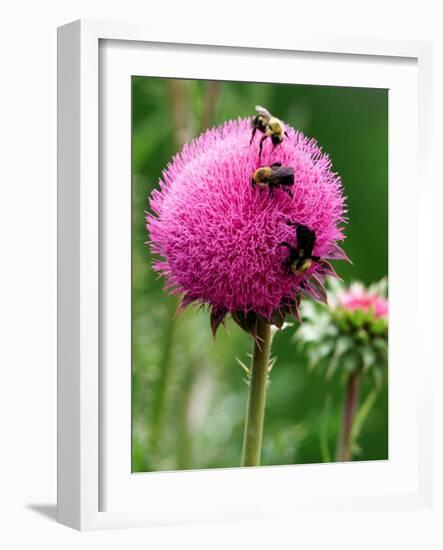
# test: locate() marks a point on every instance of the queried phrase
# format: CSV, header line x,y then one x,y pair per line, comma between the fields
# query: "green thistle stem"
x,y
363,413
255,411
344,452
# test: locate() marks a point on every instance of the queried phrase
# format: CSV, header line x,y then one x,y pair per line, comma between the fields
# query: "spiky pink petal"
x,y
337,253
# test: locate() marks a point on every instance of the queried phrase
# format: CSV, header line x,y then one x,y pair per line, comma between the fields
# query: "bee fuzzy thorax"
x,y
261,175
274,177
275,126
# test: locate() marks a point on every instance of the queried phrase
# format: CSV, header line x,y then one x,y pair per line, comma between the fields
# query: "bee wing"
x,y
305,239
263,112
282,173
310,246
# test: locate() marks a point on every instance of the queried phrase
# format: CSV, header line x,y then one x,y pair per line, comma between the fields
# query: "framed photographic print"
x,y
233,305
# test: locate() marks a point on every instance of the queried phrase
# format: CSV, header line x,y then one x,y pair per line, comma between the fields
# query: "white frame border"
x,y
78,255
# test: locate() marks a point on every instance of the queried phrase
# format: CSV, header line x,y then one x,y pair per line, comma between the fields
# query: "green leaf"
x,y
358,318
362,414
344,343
368,358
324,429
379,326
378,377
341,318
308,333
332,367
362,336
380,344
351,361
317,353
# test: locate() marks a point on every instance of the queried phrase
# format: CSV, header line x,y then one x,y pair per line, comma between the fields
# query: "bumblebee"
x,y
300,257
269,125
274,176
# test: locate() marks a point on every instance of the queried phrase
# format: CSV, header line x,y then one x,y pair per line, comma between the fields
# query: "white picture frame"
x,y
96,491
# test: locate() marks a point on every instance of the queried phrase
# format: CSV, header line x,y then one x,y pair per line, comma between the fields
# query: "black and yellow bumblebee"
x,y
269,125
300,257
274,176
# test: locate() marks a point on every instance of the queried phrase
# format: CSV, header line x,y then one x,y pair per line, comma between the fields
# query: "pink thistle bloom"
x,y
358,298
219,237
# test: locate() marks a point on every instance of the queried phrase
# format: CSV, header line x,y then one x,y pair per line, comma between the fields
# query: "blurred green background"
x,y
188,393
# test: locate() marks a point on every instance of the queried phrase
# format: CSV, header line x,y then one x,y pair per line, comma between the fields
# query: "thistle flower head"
x,y
358,298
219,238
350,335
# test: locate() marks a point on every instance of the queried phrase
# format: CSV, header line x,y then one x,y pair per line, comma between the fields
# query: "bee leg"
x,y
291,249
301,267
287,264
261,145
288,191
253,134
293,254
271,190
